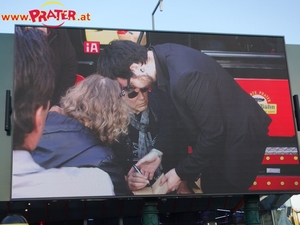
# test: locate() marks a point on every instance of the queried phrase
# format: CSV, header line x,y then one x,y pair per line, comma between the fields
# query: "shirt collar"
x,y
161,73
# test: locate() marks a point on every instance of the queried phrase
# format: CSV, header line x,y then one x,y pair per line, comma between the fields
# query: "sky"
x,y
255,17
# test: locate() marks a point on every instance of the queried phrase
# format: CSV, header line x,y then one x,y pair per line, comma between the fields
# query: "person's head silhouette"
x,y
14,219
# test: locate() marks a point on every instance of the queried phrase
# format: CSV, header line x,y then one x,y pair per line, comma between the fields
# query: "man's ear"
x,y
40,118
135,66
32,139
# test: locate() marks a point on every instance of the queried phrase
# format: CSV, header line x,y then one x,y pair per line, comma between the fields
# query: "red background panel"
x,y
281,159
278,183
274,91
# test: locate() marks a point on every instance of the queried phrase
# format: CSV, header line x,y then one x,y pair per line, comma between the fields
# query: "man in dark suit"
x,y
227,129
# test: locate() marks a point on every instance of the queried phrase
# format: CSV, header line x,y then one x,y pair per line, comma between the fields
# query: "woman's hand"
x,y
56,108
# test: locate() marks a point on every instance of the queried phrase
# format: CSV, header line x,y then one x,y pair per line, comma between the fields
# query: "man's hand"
x,y
136,181
57,109
172,179
148,164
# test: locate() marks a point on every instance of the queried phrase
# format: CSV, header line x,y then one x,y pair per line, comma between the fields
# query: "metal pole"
x,y
150,212
251,210
160,6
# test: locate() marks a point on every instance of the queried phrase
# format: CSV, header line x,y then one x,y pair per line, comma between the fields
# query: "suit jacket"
x,y
68,143
227,128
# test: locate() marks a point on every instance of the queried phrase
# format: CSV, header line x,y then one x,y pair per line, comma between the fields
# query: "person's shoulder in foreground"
x,y
33,181
33,88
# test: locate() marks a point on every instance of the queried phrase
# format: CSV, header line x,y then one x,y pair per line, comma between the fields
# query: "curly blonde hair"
x,y
96,103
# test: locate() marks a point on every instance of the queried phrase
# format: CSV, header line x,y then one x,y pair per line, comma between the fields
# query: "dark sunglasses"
x,y
130,90
133,94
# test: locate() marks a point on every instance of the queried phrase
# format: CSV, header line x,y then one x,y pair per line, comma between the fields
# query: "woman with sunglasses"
x,y
152,137
79,134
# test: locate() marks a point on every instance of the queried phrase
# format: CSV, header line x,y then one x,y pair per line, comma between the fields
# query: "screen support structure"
x,y
150,212
297,110
8,111
251,209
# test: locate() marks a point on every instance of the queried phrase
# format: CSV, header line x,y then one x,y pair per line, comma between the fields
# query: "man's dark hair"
x,y
33,80
116,58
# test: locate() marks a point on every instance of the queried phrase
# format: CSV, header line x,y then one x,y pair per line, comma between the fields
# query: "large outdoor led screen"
x,y
172,114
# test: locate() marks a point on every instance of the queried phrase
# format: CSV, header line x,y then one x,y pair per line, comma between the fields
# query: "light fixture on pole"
x,y
160,8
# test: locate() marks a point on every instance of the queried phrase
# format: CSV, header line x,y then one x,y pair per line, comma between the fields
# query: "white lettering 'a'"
x,y
94,48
